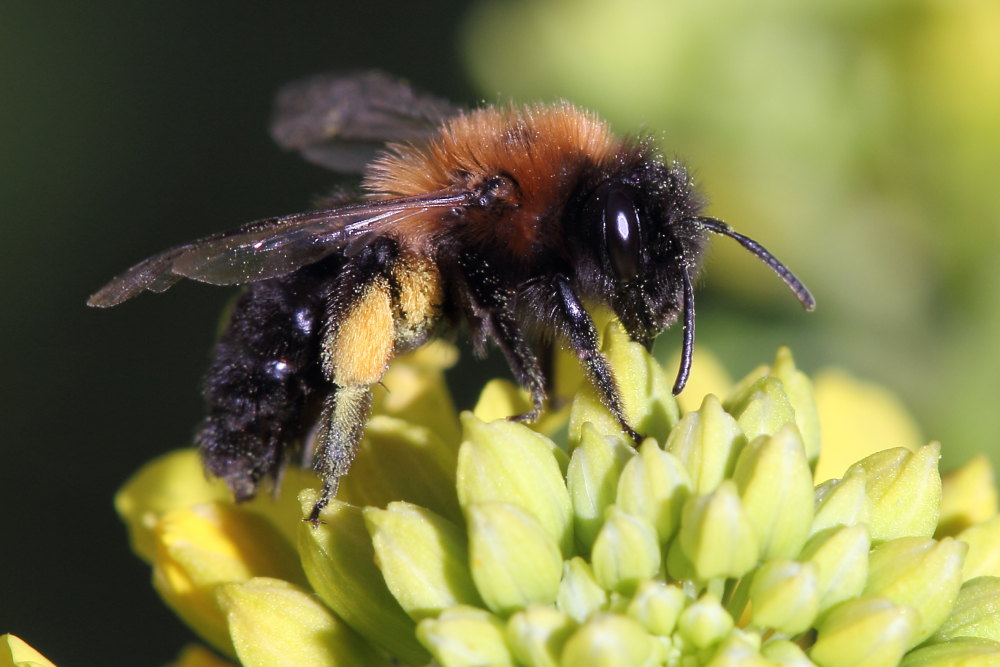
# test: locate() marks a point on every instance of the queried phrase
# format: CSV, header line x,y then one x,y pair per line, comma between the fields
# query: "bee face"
x,y
504,219
639,244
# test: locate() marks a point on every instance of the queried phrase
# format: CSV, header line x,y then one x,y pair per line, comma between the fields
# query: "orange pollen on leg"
x,y
360,346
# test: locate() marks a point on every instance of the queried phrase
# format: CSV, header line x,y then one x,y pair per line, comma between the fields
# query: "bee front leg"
x,y
583,339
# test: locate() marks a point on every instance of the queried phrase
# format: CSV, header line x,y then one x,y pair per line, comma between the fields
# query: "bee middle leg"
x,y
492,302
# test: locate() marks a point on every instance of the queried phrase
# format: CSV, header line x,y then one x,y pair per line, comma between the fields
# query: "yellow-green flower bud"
x,y
739,649
514,560
200,547
339,561
423,559
716,536
657,606
507,462
866,631
15,652
464,637
422,470
654,485
799,390
610,640
919,572
592,479
625,552
707,442
842,502
761,408
976,612
968,496
646,393
962,652
905,491
984,549
536,635
704,622
273,622
785,653
776,490
579,593
841,558
785,596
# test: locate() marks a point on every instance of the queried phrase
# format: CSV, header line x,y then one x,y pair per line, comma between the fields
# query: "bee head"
x,y
641,247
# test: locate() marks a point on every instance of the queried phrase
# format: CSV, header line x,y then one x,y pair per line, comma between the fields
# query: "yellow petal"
x,y
708,376
968,496
201,547
172,481
984,549
15,652
858,418
196,655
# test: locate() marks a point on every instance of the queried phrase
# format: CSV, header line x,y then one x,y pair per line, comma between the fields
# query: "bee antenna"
x,y
687,346
719,227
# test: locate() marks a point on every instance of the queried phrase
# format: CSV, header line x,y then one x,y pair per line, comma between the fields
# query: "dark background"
x,y
124,131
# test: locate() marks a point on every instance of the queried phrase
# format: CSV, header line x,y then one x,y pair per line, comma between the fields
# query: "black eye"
x,y
621,233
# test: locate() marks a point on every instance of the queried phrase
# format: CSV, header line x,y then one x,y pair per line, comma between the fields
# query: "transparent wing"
x,y
271,247
339,121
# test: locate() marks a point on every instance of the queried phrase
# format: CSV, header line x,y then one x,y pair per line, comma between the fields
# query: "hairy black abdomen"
x,y
264,376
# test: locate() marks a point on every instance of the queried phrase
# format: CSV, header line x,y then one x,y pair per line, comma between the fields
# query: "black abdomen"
x,y
265,377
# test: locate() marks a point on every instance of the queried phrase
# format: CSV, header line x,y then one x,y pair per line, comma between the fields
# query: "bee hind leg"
x,y
357,346
343,420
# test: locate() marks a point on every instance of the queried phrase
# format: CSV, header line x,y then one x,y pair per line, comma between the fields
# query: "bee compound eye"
x,y
622,233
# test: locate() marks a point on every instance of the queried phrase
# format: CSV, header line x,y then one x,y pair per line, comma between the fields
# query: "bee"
x,y
507,220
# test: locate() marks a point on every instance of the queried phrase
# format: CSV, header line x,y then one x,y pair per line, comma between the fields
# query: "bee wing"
x,y
269,248
339,121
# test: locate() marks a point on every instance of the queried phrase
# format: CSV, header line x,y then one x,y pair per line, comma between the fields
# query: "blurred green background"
x,y
859,141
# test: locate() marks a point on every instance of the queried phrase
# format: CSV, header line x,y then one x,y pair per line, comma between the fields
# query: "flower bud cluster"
x,y
465,541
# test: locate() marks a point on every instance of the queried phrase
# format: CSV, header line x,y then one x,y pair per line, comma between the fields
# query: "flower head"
x,y
471,540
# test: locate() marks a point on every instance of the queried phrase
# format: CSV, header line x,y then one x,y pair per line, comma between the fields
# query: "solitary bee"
x,y
504,219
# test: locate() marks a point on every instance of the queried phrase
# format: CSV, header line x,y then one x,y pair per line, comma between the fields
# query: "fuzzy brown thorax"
x,y
530,156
